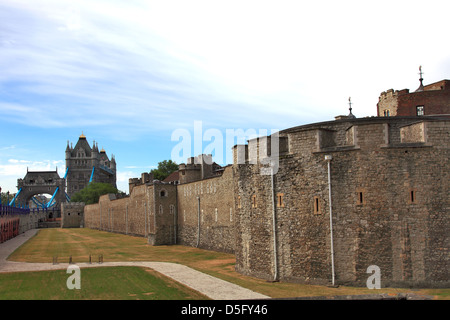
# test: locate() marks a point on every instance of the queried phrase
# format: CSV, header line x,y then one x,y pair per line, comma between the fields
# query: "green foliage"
x,y
4,198
165,168
92,192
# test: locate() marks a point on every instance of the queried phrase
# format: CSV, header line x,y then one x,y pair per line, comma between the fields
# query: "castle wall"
x,y
162,220
390,207
387,104
72,215
389,197
169,214
126,215
150,211
206,213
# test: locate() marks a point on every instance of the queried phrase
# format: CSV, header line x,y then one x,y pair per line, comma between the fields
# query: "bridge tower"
x,y
41,182
86,164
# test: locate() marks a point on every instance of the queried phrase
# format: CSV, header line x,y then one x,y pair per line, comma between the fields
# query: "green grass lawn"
x,y
105,283
80,243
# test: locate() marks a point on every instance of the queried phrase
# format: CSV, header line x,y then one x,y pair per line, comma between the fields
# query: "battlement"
x,y
198,168
345,135
431,99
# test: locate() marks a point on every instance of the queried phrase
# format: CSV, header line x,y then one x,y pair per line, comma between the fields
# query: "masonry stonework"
x,y
390,204
206,213
72,214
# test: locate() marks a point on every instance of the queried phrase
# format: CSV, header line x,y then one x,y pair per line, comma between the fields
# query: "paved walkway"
x,y
212,287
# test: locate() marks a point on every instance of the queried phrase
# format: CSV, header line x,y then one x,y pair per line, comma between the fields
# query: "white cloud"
x,y
15,169
123,179
130,69
131,64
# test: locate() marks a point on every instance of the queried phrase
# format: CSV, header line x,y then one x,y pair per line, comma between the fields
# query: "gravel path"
x,y
212,287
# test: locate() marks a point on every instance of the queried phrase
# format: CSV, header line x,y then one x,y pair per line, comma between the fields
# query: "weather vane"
x,y
420,72
421,80
350,115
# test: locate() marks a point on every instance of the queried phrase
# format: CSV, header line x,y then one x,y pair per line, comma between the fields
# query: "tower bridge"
x,y
84,164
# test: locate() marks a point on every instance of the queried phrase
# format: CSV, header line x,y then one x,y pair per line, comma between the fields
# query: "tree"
x,y
165,168
4,198
92,192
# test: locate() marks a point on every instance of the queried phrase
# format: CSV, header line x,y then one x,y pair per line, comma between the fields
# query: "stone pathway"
x,y
212,287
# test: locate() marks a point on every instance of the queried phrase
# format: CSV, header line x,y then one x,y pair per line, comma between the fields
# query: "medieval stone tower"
x,y
86,164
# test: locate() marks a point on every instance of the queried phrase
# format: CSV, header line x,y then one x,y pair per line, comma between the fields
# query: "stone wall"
x,y
206,213
390,206
389,198
118,215
150,211
388,103
163,217
169,214
72,215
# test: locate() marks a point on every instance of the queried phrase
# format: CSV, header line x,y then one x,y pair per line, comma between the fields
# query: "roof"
x,y
174,176
83,144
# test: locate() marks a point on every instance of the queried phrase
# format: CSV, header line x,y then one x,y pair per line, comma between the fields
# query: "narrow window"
x,y
280,200
316,205
361,196
254,201
412,196
239,202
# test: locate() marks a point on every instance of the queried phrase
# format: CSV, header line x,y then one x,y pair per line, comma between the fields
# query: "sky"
x,y
132,74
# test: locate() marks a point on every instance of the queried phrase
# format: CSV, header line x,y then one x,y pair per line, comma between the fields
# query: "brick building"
x,y
432,99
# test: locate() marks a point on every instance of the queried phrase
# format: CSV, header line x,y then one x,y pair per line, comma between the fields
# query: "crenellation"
x,y
432,99
389,198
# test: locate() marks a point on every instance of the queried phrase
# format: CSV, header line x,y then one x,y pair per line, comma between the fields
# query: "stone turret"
x,y
84,162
